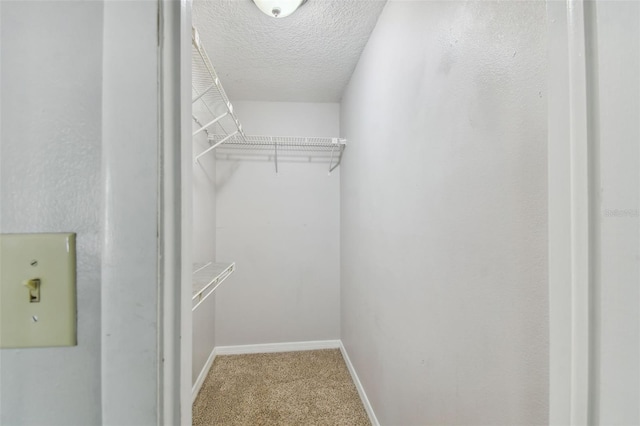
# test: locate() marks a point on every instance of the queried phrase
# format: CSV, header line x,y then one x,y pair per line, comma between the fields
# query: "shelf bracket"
x,y
339,160
331,162
212,147
210,123
276,156
203,93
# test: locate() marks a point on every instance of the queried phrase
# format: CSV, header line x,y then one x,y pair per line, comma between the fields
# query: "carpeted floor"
x,y
291,388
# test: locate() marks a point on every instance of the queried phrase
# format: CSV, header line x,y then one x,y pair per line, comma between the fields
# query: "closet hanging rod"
x,y
276,156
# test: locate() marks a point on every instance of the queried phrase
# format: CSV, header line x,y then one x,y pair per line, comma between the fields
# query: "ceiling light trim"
x,y
278,8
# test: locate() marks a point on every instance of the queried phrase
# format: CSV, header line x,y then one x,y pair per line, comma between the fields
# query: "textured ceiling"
x,y
306,57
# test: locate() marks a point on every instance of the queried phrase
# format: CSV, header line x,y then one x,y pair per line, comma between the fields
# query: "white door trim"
x,y
174,316
569,271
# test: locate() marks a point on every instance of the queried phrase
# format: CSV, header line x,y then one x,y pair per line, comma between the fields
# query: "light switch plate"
x,y
49,319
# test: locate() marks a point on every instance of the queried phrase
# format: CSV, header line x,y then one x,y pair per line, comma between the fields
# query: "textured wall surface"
x,y
443,214
305,57
283,232
50,181
80,154
615,94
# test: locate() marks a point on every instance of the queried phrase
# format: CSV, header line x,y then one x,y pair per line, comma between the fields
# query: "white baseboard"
x,y
363,396
278,347
203,375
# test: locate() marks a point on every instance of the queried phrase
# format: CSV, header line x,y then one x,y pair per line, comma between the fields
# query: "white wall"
x,y
204,249
443,214
51,87
614,32
80,153
204,202
283,233
130,227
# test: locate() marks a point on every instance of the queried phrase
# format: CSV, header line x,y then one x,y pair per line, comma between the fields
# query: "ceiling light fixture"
x,y
279,8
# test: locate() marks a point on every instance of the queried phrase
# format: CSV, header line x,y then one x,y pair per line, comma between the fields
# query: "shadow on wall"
x,y
210,179
225,173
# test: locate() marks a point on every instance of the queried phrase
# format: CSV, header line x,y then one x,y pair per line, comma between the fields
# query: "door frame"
x,y
175,211
569,231
568,214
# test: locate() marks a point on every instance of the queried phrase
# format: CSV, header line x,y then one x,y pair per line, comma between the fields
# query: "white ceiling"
x,y
306,57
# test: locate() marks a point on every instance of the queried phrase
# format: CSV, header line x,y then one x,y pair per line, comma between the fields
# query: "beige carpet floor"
x,y
292,388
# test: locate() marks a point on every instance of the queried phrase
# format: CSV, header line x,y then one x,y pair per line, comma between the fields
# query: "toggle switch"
x,y
34,289
37,290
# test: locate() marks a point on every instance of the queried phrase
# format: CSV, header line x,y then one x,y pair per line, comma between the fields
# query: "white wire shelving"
x,y
213,114
212,111
324,149
206,279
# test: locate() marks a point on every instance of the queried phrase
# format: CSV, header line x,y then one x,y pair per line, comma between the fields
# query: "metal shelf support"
x,y
214,146
211,123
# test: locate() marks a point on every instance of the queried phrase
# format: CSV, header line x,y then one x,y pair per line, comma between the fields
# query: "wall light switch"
x,y
37,290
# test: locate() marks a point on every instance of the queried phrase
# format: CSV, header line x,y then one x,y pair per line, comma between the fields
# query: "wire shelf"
x,y
284,142
328,149
206,279
212,111
213,115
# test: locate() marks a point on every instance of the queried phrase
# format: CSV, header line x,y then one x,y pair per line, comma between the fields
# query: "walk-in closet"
x,y
328,187
266,182
319,212
373,177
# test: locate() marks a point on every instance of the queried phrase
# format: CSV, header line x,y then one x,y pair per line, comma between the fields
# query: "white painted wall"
x,y
80,153
130,227
204,202
443,214
50,181
614,31
283,233
204,249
